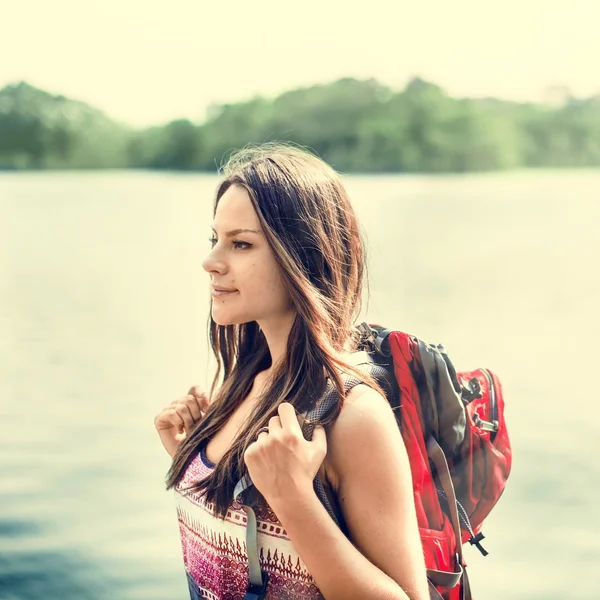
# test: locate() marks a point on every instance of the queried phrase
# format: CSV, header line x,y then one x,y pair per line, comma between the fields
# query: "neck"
x,y
277,332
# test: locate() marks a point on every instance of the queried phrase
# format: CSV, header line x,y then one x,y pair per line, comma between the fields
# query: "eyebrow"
x,y
235,232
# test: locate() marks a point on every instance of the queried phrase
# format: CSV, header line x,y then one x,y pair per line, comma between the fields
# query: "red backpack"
x,y
459,451
458,446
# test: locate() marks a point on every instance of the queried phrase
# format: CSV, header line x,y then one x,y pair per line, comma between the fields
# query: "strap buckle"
x,y
257,591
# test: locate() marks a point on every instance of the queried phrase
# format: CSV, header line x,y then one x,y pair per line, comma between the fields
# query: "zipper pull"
x,y
485,425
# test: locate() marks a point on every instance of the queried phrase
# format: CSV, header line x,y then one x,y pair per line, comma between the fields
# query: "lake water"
x,y
103,311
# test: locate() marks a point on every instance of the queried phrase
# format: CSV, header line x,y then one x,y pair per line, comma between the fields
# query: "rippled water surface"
x,y
102,322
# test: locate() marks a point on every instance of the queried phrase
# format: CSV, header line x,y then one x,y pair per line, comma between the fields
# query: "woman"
x,y
286,270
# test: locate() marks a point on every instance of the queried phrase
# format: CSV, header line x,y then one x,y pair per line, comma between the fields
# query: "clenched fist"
x,y
179,417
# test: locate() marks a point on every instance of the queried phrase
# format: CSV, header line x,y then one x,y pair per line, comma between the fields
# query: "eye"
x,y
237,244
240,245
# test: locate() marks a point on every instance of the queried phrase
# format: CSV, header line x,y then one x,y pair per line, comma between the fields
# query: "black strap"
x,y
433,593
258,592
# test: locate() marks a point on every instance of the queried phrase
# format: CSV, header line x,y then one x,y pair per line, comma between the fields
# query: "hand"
x,y
281,463
178,418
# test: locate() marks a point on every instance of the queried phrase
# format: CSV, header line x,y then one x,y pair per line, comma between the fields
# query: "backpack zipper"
x,y
474,540
493,407
492,425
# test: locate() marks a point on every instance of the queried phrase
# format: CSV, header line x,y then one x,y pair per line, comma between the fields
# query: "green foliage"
x,y
38,131
357,126
175,146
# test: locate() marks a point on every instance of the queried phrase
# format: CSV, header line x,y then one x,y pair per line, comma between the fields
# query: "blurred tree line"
x,y
357,126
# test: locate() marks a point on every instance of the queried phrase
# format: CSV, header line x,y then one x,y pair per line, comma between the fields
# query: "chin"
x,y
224,320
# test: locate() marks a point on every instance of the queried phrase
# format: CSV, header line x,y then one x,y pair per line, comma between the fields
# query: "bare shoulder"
x,y
367,455
364,418
364,415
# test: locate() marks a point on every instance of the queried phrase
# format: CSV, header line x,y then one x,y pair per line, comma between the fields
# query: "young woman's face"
x,y
246,283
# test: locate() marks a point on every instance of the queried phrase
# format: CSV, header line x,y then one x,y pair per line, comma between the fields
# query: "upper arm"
x,y
367,455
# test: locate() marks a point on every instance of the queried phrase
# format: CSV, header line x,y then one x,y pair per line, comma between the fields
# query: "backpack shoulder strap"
x,y
323,486
258,578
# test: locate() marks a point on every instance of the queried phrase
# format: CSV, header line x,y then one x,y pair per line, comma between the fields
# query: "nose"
x,y
214,262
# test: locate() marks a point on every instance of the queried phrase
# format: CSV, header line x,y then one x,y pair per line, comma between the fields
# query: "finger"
x,y
204,402
169,418
192,404
289,421
187,401
319,437
262,435
275,424
180,399
201,409
184,412
200,396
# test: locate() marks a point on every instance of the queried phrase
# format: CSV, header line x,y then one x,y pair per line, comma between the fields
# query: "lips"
x,y
221,291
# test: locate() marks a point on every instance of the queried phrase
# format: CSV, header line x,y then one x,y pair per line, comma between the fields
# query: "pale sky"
x,y
145,62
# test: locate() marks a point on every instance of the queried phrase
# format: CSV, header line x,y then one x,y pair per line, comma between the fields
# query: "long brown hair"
x,y
311,227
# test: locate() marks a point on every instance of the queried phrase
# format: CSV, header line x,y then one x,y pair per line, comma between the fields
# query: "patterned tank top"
x,y
214,550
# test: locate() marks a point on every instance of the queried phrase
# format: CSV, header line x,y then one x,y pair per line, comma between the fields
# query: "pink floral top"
x,y
214,550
